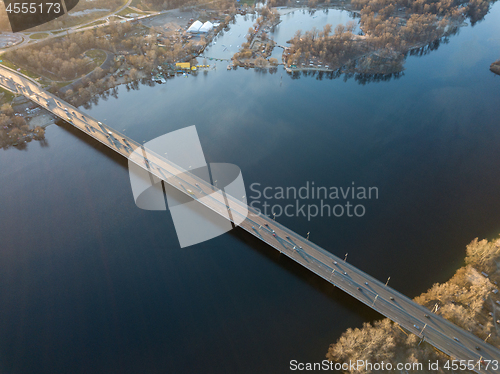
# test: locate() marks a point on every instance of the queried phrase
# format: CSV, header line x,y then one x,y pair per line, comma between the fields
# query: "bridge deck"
x,y
402,310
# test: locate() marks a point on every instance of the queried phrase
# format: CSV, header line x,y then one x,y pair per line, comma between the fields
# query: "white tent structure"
x,y
207,26
195,27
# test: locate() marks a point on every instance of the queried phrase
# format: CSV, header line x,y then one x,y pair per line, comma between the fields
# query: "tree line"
x,y
268,17
474,10
65,20
172,4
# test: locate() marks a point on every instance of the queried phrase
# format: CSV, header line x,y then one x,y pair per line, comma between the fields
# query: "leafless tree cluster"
x,y
63,58
467,300
385,341
310,3
389,29
387,37
269,16
14,129
258,39
495,67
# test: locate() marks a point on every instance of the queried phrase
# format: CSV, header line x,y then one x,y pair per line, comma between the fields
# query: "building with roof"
x,y
206,27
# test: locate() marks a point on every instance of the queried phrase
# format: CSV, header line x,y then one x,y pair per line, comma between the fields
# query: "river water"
x,y
89,283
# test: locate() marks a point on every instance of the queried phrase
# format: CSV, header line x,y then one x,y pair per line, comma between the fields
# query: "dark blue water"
x,y
91,284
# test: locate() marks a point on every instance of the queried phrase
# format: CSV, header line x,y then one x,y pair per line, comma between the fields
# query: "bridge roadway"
x,y
442,334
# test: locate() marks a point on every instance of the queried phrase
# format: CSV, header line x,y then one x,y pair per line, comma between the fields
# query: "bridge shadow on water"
x,y
354,307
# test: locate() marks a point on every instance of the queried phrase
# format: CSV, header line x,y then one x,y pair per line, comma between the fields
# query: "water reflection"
x,y
351,71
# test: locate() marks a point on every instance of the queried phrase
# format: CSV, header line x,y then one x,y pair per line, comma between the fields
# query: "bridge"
x,y
448,338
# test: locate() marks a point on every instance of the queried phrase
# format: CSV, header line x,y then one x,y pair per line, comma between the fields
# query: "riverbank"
x,y
374,52
495,67
22,123
470,299
383,38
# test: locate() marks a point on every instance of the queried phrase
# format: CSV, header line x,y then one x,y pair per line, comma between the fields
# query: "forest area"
x,y
495,67
64,58
14,129
388,30
468,300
